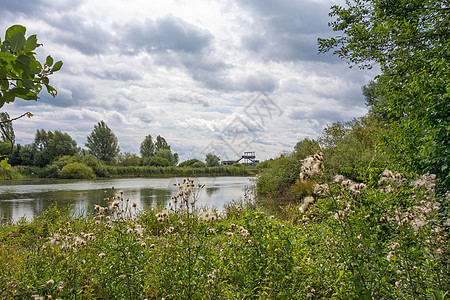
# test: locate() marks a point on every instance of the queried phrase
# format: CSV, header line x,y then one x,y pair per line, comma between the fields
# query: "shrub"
x,y
157,161
77,171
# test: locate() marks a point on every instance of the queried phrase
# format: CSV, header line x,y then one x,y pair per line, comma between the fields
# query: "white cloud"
x,y
186,70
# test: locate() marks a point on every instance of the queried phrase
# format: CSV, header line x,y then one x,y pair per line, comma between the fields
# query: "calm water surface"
x,y
29,198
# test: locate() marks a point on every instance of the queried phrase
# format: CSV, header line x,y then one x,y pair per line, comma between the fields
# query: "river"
x,y
29,198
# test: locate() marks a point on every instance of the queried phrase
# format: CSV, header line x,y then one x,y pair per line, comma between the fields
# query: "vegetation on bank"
x,y
348,243
79,170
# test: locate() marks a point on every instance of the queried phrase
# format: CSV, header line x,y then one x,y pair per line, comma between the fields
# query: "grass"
x,y
384,242
145,171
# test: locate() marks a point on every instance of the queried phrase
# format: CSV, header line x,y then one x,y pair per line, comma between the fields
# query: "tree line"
x,y
53,150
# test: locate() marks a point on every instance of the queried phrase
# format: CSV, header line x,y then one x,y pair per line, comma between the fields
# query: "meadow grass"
x,y
385,242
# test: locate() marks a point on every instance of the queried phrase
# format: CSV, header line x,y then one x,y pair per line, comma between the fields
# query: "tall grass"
x,y
146,171
350,242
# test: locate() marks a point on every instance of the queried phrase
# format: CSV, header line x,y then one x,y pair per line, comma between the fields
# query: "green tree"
x,y
306,147
410,41
147,147
161,143
167,154
127,159
51,145
192,163
102,143
7,135
212,160
157,161
21,75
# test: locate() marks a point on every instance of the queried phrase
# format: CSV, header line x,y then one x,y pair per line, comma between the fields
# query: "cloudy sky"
x,y
220,76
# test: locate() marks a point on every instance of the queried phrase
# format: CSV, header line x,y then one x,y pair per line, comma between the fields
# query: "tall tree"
x,y
102,142
161,143
7,135
147,147
410,41
167,154
212,160
6,128
51,145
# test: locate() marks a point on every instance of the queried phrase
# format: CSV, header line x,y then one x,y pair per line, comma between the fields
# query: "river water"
x,y
29,198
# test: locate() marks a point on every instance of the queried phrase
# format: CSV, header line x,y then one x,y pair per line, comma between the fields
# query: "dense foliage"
x,y
383,243
21,76
102,142
410,41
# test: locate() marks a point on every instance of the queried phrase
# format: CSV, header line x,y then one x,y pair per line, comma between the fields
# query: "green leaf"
x,y
7,56
5,47
23,62
51,90
17,42
28,84
49,61
4,164
35,67
9,97
4,84
57,66
13,30
45,80
31,43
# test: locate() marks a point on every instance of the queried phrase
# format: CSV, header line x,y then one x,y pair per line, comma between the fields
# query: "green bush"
x,y
157,161
279,175
77,170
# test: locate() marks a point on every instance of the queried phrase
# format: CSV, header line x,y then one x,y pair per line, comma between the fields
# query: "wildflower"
x,y
206,216
244,232
143,244
359,246
50,283
390,255
306,202
212,230
367,217
229,234
271,217
101,255
398,283
394,245
116,203
211,282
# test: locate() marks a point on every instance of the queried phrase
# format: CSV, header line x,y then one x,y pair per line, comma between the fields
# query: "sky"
x,y
210,76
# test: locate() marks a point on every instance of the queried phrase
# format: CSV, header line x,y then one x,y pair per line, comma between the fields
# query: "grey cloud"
x,y
291,29
320,115
71,96
165,35
190,98
37,7
121,75
87,37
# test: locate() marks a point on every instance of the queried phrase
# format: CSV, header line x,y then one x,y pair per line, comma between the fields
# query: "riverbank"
x,y
24,172
342,245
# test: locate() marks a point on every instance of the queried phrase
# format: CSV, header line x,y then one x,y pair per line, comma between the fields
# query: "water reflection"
x,y
29,198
